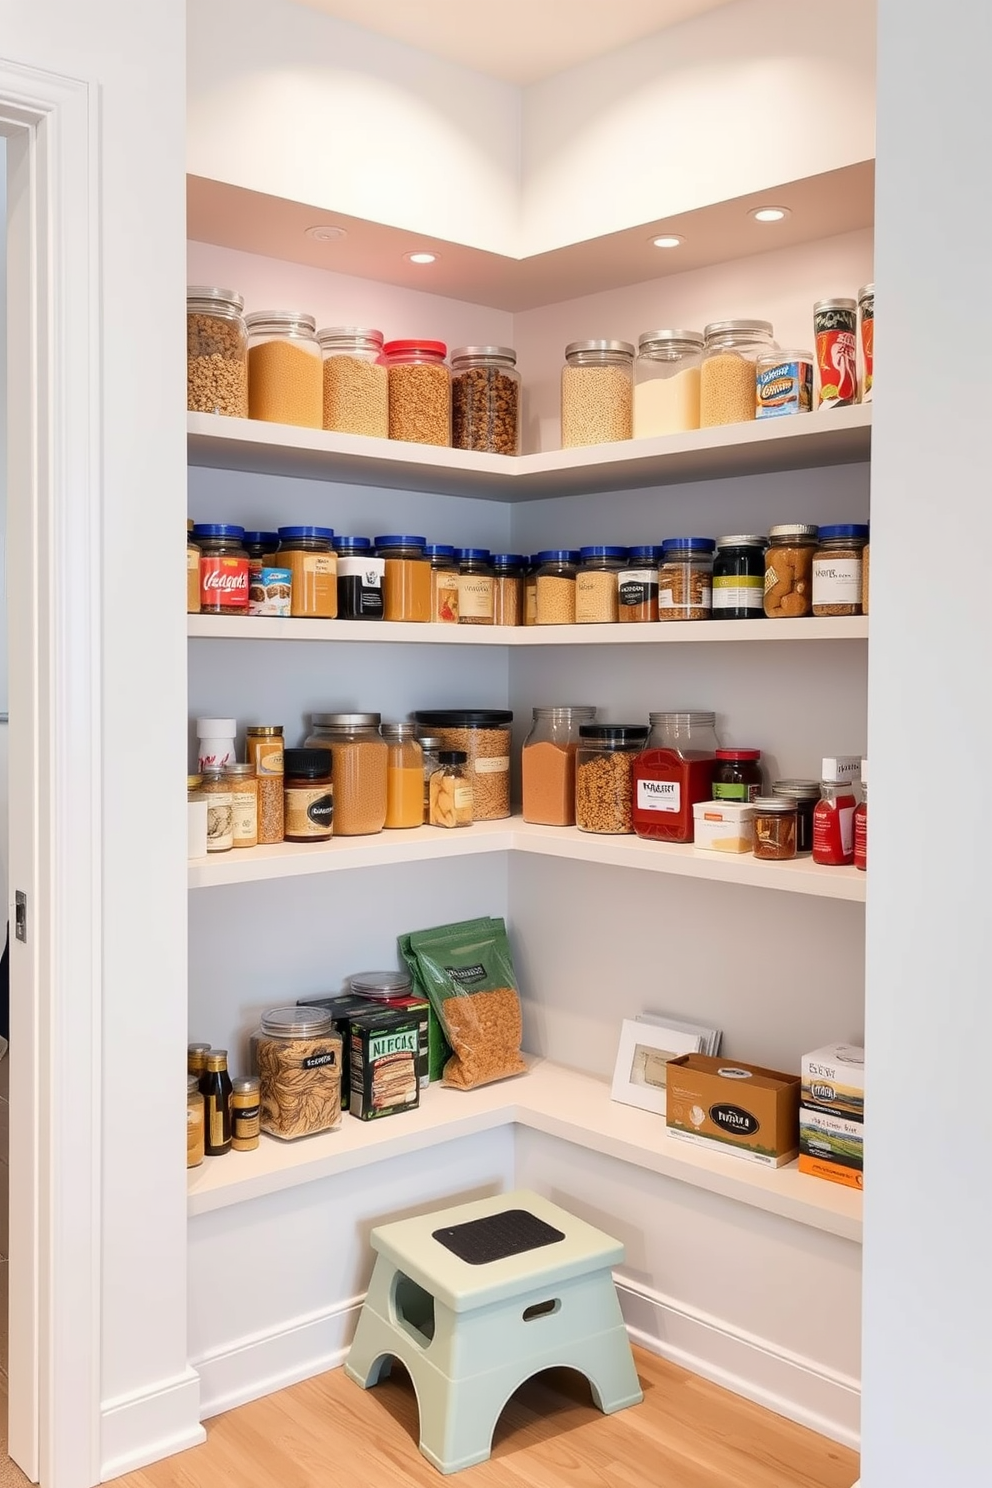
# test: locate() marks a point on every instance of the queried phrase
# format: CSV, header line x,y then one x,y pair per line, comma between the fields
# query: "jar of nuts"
x,y
485,399
216,352
597,393
789,570
685,578
285,383
837,569
419,391
728,376
604,776
356,383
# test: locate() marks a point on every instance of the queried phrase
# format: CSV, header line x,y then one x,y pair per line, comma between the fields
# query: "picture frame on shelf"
x,y
639,1075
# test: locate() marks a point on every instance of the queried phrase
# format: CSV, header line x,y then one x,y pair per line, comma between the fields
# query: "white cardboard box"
x,y
723,826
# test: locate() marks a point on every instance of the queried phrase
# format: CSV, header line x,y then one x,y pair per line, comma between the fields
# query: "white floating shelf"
x,y
559,1102
419,844
719,632
810,440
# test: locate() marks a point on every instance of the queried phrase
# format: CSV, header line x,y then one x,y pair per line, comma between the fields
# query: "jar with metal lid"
x,y
406,583
484,735
805,794
674,771
476,590
429,746
727,377
355,381
245,1113
866,308
837,569
789,570
508,588
739,577
296,1052
530,590
774,828
285,379
547,764
196,1059
360,756
737,776
485,399
220,809
224,585
666,382
783,383
596,584
451,791
195,1122
243,783
444,583
556,573
604,776
308,795
419,391
216,352
637,585
404,775
685,578
310,557
215,1087
381,986
192,571
361,572
265,748
835,327
597,393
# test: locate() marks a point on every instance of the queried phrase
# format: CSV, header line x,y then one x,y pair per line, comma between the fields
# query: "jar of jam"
x,y
737,776
360,579
310,558
674,771
805,793
637,584
223,568
774,829
309,795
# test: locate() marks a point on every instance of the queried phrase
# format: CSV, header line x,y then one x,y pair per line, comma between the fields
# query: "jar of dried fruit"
x,y
485,399
360,764
419,391
728,377
604,776
355,381
216,352
685,578
285,381
837,569
789,570
597,393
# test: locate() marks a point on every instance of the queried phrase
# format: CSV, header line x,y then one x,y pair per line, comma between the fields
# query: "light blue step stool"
x,y
475,1299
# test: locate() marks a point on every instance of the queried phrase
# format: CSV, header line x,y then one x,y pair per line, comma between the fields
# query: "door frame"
x,y
51,124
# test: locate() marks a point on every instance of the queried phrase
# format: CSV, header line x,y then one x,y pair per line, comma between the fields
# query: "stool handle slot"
x,y
542,1309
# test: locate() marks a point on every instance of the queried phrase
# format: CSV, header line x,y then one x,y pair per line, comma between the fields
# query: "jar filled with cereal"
x,y
597,393
484,735
604,776
789,570
685,578
837,569
728,376
556,575
419,391
355,381
508,588
285,381
216,352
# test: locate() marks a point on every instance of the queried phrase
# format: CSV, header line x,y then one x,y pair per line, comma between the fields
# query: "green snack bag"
x,y
438,1048
466,970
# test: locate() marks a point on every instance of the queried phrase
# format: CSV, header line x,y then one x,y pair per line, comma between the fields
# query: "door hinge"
x,y
21,915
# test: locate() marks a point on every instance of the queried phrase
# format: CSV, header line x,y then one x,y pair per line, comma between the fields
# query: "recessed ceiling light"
x,y
669,240
769,214
326,234
422,257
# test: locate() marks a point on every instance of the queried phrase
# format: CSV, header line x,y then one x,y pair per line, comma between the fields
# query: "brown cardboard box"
x,y
739,1109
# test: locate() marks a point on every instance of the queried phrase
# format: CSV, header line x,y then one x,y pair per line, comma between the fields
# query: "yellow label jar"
x,y
308,554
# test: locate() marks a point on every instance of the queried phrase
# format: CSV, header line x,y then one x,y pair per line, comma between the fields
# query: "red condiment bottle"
x,y
674,771
833,817
861,823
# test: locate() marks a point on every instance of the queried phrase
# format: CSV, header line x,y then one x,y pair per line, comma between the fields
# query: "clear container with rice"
x,y
728,375
285,383
355,381
484,735
597,384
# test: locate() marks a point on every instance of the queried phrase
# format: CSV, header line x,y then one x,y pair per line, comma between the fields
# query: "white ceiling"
x,y
520,41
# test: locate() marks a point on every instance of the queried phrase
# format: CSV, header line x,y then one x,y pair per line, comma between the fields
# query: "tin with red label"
x,y
866,305
835,325
224,587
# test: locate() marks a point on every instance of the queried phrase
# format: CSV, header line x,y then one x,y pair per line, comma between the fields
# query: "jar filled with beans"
x,y
837,569
789,570
216,352
604,776
355,381
485,399
685,578
484,735
508,588
596,586
728,375
359,768
597,393
419,391
556,573
285,381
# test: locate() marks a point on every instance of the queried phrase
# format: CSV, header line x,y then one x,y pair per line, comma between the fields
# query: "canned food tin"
x,y
784,383
866,304
835,323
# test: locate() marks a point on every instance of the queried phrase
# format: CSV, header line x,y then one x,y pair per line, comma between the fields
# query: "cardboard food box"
x,y
740,1109
831,1147
723,826
384,1050
834,1080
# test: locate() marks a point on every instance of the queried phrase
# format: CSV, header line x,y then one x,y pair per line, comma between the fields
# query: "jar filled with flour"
x,y
666,382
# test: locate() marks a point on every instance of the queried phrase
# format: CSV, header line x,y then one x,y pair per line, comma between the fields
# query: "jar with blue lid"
x,y
837,566
476,605
360,575
637,584
685,578
444,583
224,583
596,584
407,578
556,573
508,588
308,554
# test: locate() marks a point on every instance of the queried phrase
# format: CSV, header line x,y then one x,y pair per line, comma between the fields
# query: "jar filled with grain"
x,y
224,586
192,572
476,589
309,555
837,567
596,586
547,763
637,585
419,391
556,573
360,579
450,790
685,578
728,376
216,786
265,749
484,735
285,380
309,795
406,583
404,775
530,590
666,382
216,352
444,583
485,399
508,588
604,776
360,761
597,393
296,1053
244,802
789,570
355,381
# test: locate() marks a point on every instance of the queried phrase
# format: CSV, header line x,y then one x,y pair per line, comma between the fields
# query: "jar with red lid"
x,y
737,776
674,771
223,568
419,391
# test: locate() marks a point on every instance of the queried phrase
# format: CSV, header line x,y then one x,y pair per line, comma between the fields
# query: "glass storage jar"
x,y
245,1113
485,399
530,590
783,383
444,583
216,352
737,776
419,391
685,578
192,572
429,746
355,381
285,381
296,1052
547,764
265,748
308,795
666,382
224,580
308,554
360,760
837,569
637,584
597,393
216,786
360,579
450,790
774,828
739,577
789,570
404,775
244,802
596,585
604,776
195,1121
484,735
508,588
674,771
476,596
805,794
727,376
406,581
556,573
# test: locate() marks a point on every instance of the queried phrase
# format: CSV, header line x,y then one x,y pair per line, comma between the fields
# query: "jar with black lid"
x,y
739,577
805,793
604,776
737,776
309,795
360,579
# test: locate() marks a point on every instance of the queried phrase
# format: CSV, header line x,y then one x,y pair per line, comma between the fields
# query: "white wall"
x,y
3,525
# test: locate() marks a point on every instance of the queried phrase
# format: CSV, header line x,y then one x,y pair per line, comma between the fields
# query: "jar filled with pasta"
x,y
296,1053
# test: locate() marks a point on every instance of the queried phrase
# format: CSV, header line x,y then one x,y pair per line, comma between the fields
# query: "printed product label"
x,y
837,581
595,598
382,1044
636,586
369,570
318,1061
463,797
734,792
269,760
659,795
245,1122
475,596
496,764
845,816
530,603
783,389
867,349
224,583
309,811
220,823
245,816
320,563
701,600
836,357
270,590
215,1123
192,560
445,601
739,592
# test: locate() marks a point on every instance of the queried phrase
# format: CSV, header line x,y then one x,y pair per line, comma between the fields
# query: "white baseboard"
x,y
141,1428
790,1384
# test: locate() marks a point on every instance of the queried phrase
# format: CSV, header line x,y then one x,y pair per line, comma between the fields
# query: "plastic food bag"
x,y
466,970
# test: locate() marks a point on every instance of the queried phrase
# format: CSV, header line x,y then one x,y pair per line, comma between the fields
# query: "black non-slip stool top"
x,y
479,1242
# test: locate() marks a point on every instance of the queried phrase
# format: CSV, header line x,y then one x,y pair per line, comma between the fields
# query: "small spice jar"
x,y
597,393
685,578
484,735
404,775
637,585
530,590
508,588
244,800
835,327
666,382
556,574
266,751
837,569
429,746
451,790
673,773
866,308
727,376
195,1122
604,776
196,1059
547,764
285,378
245,1112
216,786
444,583
224,586
737,776
308,554
355,381
216,352
309,795
419,391
297,1055
215,1088
789,570
774,828
406,584
360,579
739,577
192,572
596,585
476,597
485,399
805,794
360,756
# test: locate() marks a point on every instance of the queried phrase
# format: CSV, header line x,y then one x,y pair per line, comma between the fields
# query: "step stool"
x,y
475,1299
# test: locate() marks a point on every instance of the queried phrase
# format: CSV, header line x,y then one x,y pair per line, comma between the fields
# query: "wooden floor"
x,y
687,1434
